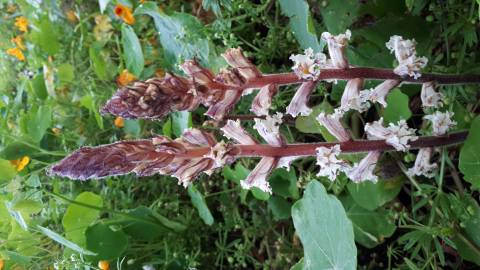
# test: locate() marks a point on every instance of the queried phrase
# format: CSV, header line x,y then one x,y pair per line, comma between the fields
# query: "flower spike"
x,y
406,54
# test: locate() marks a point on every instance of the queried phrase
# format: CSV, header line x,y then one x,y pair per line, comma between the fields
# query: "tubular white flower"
x,y
263,100
380,92
269,129
258,176
406,54
307,66
422,164
430,98
364,170
332,123
397,135
330,165
233,130
236,59
352,99
298,104
441,122
219,154
336,48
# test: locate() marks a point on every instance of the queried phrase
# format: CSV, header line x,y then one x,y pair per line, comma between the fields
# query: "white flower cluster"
x,y
397,135
307,66
408,61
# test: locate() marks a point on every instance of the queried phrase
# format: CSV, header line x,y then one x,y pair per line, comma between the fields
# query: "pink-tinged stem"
x,y
351,73
308,149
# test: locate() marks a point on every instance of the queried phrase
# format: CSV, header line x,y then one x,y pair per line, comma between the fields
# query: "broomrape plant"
x,y
198,151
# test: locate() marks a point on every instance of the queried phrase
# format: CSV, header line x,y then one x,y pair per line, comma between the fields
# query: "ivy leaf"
x,y
107,243
199,202
397,107
469,161
370,227
132,50
301,23
334,247
338,15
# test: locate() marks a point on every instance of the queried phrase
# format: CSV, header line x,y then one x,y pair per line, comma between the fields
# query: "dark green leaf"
x,y
469,161
280,207
397,107
140,229
7,170
338,15
38,120
59,239
284,183
373,195
199,202
107,243
132,50
309,124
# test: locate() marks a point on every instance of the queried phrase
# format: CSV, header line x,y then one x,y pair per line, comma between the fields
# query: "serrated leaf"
x,y
324,229
397,107
199,202
132,50
469,160
301,23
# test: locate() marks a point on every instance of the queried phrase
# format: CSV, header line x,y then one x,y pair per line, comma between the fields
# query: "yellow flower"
x,y
125,78
20,163
119,122
21,23
104,265
125,13
71,16
17,53
19,42
2,263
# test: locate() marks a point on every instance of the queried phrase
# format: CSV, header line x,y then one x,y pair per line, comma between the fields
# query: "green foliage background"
x,y
49,107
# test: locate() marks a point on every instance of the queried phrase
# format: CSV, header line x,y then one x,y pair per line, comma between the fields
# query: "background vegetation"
x,y
75,55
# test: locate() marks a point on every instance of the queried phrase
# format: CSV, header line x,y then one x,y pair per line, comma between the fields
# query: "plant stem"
x,y
351,73
308,149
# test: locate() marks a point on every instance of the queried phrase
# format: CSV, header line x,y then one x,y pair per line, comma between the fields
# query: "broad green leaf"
x,y
45,35
132,50
325,230
371,195
309,124
280,207
65,73
199,202
88,102
140,229
181,121
182,35
464,248
16,150
397,107
105,242
301,23
61,240
338,15
7,170
38,86
469,161
37,122
284,183
27,206
77,218
370,227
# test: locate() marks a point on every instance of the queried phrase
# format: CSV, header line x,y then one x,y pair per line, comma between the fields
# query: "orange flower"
x,y
19,42
125,78
20,163
17,53
21,23
119,122
125,13
71,16
104,265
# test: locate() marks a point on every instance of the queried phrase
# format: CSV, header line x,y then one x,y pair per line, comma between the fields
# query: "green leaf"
x,y
469,160
181,121
27,206
132,51
7,170
88,102
338,15
37,122
182,35
199,202
38,86
16,150
140,229
301,23
132,127
45,35
298,265
284,183
309,124
260,194
65,73
280,207
59,239
370,227
173,225
107,243
397,107
78,217
99,62
324,229
373,195
466,249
